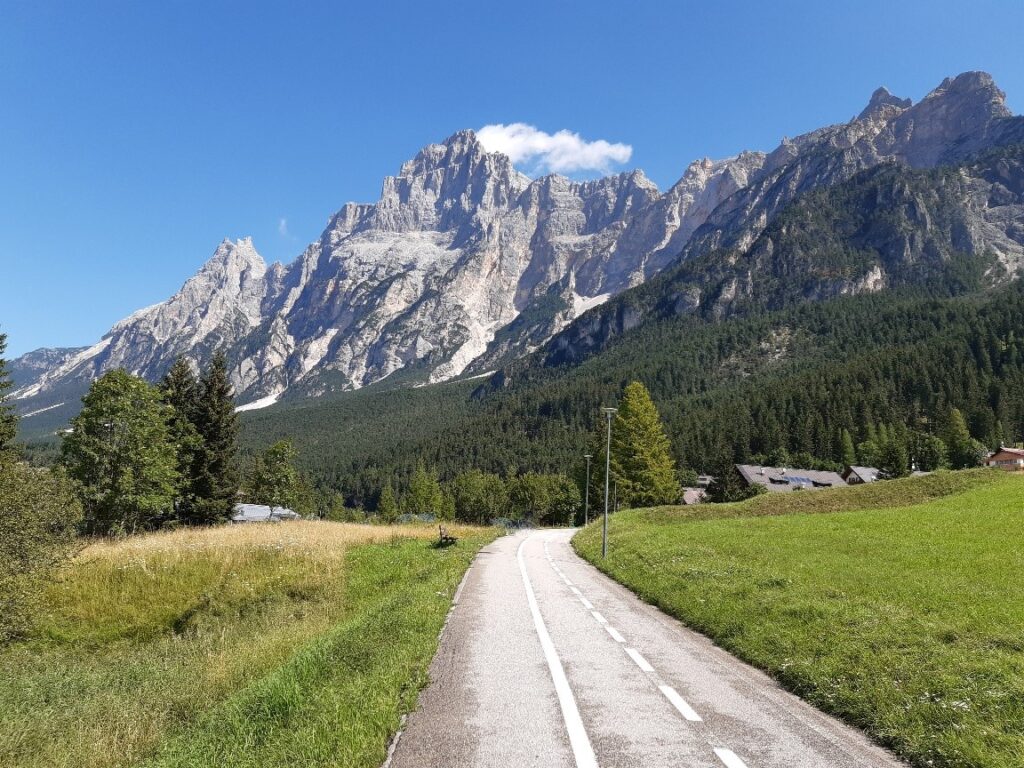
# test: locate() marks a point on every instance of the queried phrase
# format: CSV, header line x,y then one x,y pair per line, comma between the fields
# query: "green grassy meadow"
x,y
897,606
297,644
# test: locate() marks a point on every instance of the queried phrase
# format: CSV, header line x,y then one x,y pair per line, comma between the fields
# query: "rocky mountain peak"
x,y
973,90
881,102
954,120
444,184
235,256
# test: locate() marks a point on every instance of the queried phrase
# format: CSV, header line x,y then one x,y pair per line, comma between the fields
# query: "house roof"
x,y
789,478
866,474
258,513
1004,449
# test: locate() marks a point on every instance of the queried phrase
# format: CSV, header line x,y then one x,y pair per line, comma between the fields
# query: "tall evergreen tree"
x,y
120,453
216,478
849,454
387,505
180,389
8,420
964,451
641,453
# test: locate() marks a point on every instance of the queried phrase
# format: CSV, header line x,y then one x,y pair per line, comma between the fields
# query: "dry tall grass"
x,y
140,636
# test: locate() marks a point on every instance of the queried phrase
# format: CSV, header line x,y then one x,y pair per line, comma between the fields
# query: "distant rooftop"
x,y
261,513
789,478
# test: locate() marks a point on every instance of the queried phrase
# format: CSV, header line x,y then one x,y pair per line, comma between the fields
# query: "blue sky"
x,y
135,136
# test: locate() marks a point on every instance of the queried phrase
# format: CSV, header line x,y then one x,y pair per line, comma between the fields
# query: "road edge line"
x,y
582,750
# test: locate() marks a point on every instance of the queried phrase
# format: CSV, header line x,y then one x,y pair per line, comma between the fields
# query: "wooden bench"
x,y
445,539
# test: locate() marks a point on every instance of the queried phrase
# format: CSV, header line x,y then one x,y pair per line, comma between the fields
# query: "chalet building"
x,y
858,475
788,478
1008,459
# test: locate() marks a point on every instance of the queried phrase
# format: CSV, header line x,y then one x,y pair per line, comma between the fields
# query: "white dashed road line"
x,y
578,739
641,662
729,758
680,703
615,635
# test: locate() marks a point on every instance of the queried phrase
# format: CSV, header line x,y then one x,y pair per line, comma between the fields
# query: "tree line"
x,y
786,383
144,456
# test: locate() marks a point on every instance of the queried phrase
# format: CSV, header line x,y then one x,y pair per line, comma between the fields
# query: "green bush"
x,y
38,516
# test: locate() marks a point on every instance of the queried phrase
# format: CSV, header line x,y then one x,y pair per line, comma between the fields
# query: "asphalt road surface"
x,y
546,662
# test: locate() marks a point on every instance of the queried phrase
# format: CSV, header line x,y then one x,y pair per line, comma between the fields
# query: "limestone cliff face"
x,y
464,263
427,282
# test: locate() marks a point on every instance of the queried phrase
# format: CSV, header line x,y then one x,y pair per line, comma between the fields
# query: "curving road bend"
x,y
547,662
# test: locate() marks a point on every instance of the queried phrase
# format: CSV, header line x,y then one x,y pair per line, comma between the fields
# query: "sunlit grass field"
x,y
297,644
898,606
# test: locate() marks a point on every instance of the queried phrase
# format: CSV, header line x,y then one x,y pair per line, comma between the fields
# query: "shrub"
x,y
39,512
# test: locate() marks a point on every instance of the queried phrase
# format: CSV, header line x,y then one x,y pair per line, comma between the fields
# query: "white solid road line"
x,y
578,739
641,662
614,633
576,592
600,619
586,603
729,757
680,703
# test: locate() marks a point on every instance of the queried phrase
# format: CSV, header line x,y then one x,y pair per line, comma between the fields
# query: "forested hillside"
x,y
792,379
882,302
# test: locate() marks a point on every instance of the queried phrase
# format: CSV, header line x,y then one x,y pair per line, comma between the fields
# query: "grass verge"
x,y
898,607
297,644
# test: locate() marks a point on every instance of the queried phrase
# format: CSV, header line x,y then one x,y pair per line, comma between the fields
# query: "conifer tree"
x,y
180,390
8,420
216,479
387,505
849,456
641,453
964,451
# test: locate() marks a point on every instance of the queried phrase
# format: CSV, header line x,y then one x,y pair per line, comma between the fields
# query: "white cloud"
x,y
561,152
282,228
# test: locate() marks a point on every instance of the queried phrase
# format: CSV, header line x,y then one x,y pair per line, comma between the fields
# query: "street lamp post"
x,y
609,413
586,491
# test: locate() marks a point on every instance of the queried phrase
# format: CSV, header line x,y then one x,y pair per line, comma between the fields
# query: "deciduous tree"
x,y
120,454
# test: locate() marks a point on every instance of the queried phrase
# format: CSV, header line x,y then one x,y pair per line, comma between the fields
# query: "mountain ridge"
x,y
465,264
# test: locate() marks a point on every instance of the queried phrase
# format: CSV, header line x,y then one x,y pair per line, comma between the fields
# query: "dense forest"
x,y
793,379
862,306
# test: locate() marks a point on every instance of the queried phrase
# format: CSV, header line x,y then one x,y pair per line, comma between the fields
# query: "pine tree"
x,y
387,505
120,453
180,390
964,451
641,453
216,479
849,455
8,420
